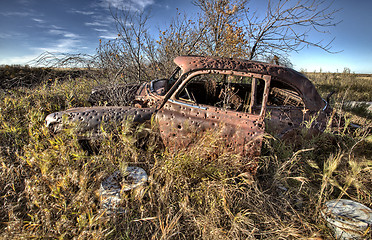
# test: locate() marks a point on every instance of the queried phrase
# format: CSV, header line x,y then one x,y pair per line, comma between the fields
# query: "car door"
x,y
198,106
285,109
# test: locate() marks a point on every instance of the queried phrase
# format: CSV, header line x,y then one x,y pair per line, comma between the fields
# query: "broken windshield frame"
x,y
250,81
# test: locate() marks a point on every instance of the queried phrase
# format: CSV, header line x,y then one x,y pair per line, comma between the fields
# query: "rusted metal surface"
x,y
90,119
192,102
181,124
311,97
147,96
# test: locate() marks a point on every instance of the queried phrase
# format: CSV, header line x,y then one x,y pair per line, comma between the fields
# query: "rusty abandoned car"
x,y
239,96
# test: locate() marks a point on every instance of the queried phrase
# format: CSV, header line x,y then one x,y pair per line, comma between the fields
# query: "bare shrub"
x,y
286,26
114,95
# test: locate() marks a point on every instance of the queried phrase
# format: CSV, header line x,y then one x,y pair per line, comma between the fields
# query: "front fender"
x,y
90,119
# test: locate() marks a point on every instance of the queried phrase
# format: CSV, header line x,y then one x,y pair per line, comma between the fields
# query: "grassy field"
x,y
48,184
348,87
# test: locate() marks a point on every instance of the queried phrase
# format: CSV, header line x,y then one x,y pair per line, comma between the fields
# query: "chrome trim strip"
x,y
325,105
152,86
188,105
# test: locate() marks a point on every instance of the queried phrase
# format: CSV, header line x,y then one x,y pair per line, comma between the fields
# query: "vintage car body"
x,y
239,97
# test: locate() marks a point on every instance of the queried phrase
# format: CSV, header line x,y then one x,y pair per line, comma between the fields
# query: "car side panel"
x,y
180,123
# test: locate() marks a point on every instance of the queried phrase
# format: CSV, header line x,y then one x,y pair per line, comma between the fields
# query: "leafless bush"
x,y
131,56
26,76
65,60
115,95
286,26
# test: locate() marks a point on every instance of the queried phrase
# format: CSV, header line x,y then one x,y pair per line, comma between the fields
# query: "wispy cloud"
x,y
144,3
25,2
104,29
96,24
100,30
63,41
134,5
65,34
5,35
82,12
12,35
55,27
38,20
67,44
17,14
109,36
101,22
61,46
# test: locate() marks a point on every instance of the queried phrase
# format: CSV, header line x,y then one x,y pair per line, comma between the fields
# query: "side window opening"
x,y
230,92
162,86
173,78
281,94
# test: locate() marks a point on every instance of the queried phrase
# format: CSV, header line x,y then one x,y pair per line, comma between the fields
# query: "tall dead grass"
x,y
48,184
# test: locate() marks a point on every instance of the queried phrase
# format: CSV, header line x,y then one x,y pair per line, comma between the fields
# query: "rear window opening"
x,y
281,94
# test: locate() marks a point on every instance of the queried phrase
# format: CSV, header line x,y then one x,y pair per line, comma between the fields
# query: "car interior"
x,y
235,92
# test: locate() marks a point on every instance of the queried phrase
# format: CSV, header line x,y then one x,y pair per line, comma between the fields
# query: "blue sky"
x,y
30,27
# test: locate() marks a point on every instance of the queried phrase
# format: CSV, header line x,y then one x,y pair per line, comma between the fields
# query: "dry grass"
x,y
348,87
48,184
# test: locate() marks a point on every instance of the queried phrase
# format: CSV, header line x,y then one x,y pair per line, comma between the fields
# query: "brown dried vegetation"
x,y
48,184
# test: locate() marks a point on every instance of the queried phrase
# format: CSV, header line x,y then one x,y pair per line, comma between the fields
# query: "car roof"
x,y
312,99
